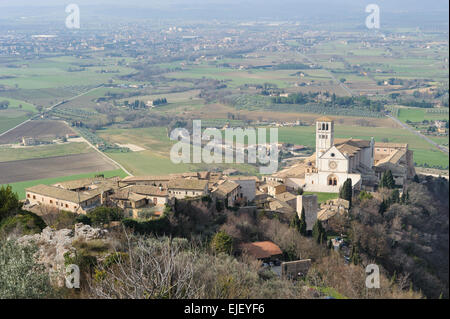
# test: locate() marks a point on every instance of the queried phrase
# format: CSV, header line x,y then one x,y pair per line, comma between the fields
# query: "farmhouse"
x,y
181,188
228,191
63,199
154,195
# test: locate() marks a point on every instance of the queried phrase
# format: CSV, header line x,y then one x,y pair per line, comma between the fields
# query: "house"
x,y
181,188
247,186
262,250
274,188
288,198
126,199
154,195
28,141
277,206
68,200
295,269
147,180
228,191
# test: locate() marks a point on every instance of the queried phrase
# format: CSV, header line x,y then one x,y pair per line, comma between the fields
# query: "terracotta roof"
x,y
393,158
181,183
146,178
296,170
147,190
280,206
391,145
261,249
352,142
286,196
348,149
64,194
126,194
225,188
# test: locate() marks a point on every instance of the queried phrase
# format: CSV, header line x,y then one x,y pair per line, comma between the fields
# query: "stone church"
x,y
335,160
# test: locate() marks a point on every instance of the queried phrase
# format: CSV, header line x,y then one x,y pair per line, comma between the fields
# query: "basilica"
x,y
336,160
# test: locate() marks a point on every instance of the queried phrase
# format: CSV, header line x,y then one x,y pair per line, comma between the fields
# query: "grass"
x,y
7,123
20,187
42,151
418,115
323,197
17,104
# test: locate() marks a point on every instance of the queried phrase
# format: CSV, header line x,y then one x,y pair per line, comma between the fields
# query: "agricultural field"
x,y
51,167
419,115
155,159
38,129
8,154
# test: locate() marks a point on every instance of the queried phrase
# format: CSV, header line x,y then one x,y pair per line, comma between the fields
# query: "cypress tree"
x,y
295,222
319,233
346,191
390,182
302,227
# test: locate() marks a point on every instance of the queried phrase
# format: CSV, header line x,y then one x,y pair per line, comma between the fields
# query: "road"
x,y
50,108
440,147
62,102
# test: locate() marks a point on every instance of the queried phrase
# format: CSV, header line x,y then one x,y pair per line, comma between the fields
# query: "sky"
x,y
309,10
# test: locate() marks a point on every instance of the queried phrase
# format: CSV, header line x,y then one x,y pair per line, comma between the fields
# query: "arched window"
x,y
331,180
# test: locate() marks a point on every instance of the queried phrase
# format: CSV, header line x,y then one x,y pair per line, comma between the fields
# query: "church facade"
x,y
336,160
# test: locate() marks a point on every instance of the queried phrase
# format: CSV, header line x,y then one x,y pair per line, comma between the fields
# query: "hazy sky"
x,y
312,10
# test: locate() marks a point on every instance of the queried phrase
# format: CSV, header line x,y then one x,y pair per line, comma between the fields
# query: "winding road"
x,y
440,147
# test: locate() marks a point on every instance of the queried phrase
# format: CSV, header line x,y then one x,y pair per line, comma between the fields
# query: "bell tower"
x,y
324,136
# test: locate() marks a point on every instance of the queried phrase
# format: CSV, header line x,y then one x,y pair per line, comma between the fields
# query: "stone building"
x,y
309,203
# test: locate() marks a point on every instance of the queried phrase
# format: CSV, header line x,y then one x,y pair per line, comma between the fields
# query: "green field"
x,y
323,197
7,122
20,187
155,160
42,151
419,115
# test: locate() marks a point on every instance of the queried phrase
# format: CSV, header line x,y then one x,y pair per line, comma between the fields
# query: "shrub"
x,y
222,243
24,223
104,215
20,275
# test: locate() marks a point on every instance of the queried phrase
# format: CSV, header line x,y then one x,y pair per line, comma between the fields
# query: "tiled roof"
x,y
261,249
180,183
286,196
324,119
352,142
297,170
63,194
147,190
348,149
391,145
393,158
225,188
146,178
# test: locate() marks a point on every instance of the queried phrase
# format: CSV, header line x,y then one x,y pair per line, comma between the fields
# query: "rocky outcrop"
x,y
54,244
